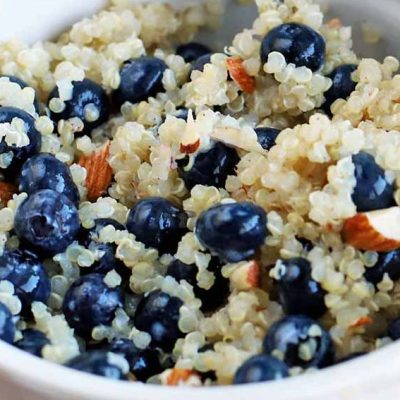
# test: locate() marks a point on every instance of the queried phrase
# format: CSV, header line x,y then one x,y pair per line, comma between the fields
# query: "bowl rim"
x,y
350,377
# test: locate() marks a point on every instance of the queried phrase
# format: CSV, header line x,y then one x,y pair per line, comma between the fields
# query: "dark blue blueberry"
x,y
108,261
261,368
372,190
158,315
141,78
33,342
209,168
299,44
16,156
28,275
232,231
267,137
22,84
307,244
183,272
192,51
86,97
7,325
48,221
44,171
298,292
342,85
211,299
182,113
124,347
145,364
394,329
157,223
388,263
351,357
302,341
201,62
89,302
96,362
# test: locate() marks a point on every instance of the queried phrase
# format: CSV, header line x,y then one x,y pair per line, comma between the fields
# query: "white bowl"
x,y
372,377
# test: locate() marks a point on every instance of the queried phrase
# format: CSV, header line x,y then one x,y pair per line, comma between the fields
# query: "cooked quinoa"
x,y
303,189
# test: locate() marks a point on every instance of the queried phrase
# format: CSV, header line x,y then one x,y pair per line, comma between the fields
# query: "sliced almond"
x,y
246,276
178,376
366,320
374,230
190,148
7,190
239,74
99,172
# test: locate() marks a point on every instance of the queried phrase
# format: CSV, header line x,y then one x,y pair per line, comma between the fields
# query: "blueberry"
x,y
44,171
12,156
261,368
182,113
158,315
157,223
201,62
342,85
307,244
183,272
267,137
28,275
192,51
394,329
299,44
209,168
302,341
89,103
107,261
32,342
351,357
7,325
232,231
22,84
388,263
125,347
298,292
211,299
97,362
89,302
372,190
141,78
145,365
48,221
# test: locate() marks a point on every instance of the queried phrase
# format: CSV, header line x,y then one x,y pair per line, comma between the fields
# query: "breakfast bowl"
x,y
372,376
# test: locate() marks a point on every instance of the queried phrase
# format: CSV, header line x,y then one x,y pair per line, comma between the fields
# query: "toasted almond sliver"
x,y
239,74
99,172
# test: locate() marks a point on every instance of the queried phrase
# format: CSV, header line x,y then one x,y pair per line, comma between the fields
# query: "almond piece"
x,y
239,74
374,230
7,190
178,376
246,276
190,148
99,172
366,320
